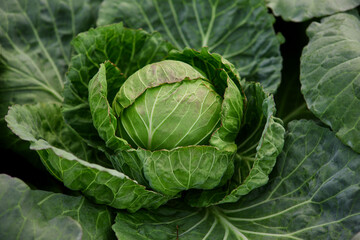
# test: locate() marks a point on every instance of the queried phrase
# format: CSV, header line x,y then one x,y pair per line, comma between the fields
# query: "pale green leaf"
x,y
183,168
151,76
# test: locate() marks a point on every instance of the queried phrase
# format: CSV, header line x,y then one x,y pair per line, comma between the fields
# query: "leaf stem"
x,y
211,24
295,113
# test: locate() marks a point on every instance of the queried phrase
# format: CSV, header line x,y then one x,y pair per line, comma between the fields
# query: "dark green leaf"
x,y
301,10
239,30
313,194
330,67
35,49
35,214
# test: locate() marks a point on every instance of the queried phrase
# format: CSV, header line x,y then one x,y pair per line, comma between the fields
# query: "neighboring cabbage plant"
x,y
155,123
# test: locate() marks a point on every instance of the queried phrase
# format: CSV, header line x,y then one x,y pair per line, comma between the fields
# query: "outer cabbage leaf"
x,y
330,79
127,49
103,116
183,168
35,214
259,141
46,122
105,122
35,50
240,30
302,10
44,128
313,194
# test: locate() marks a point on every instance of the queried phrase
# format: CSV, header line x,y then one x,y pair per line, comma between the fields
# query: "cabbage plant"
x,y
157,120
171,123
